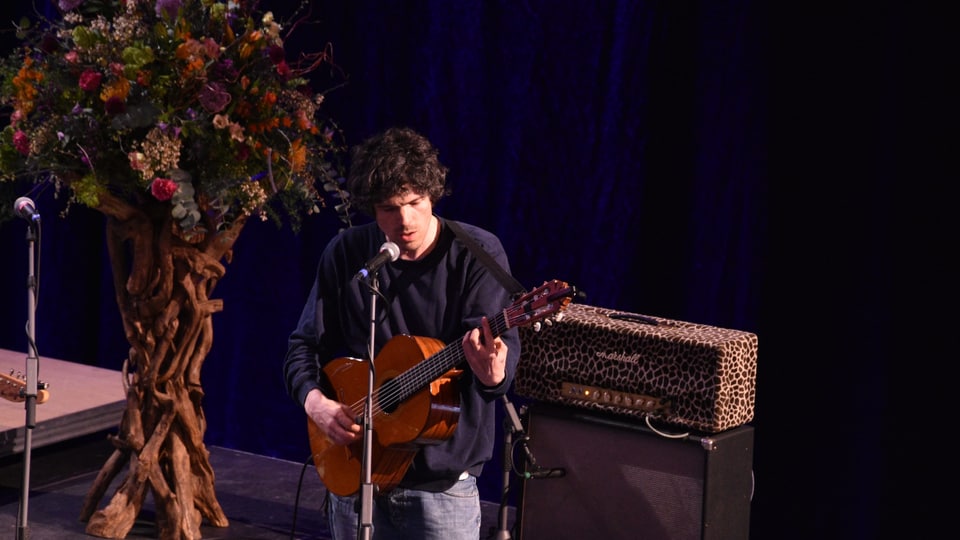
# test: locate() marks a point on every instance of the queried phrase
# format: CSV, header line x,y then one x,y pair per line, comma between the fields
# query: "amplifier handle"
x,y
633,317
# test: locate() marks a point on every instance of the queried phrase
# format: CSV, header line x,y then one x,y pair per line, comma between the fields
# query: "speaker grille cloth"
x,y
618,483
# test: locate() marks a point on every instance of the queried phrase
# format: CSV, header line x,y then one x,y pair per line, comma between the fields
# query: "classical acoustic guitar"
x,y
415,396
13,388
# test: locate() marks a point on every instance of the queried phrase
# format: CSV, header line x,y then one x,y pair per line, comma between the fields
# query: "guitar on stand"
x,y
13,388
416,401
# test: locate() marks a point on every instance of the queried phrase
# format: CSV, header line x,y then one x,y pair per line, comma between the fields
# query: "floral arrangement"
x,y
187,103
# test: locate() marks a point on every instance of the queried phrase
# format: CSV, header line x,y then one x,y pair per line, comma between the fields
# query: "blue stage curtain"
x,y
724,163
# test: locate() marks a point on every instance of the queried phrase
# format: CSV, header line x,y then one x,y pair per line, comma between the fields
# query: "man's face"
x,y
407,220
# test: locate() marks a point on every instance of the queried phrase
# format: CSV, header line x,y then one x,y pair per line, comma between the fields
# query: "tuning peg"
x,y
536,326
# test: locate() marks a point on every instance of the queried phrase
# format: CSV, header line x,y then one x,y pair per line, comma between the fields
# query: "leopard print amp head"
x,y
691,375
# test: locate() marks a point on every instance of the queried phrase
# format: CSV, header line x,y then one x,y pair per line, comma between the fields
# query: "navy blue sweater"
x,y
440,296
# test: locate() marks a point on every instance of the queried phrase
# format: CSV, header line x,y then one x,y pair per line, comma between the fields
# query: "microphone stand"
x,y
513,426
30,392
365,528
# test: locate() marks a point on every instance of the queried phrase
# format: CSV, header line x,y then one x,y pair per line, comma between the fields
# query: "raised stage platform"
x,y
81,400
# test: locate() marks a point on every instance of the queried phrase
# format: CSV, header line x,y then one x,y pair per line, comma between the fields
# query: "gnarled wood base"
x,y
163,282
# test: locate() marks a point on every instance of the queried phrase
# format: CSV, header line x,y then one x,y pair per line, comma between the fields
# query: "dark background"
x,y
782,171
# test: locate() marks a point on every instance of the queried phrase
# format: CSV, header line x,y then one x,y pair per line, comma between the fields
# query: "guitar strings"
x,y
395,391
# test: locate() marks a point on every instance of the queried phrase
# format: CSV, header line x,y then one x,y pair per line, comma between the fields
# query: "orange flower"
x,y
24,83
195,66
118,89
298,156
303,123
187,50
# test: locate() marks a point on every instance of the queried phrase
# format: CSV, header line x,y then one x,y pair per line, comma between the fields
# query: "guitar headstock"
x,y
543,304
12,388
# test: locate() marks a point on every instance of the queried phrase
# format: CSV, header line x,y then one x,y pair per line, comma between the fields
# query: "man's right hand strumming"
x,y
335,419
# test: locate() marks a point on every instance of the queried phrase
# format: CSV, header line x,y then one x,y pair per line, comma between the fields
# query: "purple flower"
x,y
114,105
69,5
49,43
214,97
169,7
223,70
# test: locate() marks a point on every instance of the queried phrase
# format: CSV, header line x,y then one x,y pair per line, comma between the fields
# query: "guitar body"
x,y
428,416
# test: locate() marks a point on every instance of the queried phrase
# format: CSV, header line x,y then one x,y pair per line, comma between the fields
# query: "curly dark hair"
x,y
395,162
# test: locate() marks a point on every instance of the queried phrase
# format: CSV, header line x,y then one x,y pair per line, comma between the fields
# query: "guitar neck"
x,y
447,358
547,300
13,389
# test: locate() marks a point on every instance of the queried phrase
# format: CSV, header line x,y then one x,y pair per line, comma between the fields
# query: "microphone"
x,y
25,208
555,472
389,252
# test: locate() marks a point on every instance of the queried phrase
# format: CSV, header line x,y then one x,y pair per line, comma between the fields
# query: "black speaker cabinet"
x,y
621,480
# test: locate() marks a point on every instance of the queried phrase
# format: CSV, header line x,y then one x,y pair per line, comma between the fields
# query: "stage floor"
x,y
258,494
264,498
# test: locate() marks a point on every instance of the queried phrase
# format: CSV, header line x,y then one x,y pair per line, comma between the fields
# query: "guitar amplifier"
x,y
686,374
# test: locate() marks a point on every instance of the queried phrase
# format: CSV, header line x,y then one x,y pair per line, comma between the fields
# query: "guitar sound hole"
x,y
387,397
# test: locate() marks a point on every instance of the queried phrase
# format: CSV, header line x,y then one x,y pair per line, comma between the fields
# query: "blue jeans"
x,y
413,515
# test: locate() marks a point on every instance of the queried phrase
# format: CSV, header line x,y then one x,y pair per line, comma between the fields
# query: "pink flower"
x,y
210,47
163,188
275,53
236,132
90,80
21,142
284,71
137,161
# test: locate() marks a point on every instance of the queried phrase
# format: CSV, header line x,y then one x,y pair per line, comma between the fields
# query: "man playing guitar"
x,y
431,441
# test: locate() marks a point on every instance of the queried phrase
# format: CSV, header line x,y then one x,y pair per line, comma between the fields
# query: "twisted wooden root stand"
x,y
163,283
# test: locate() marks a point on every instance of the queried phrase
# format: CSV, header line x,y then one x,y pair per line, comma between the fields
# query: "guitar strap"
x,y
509,282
